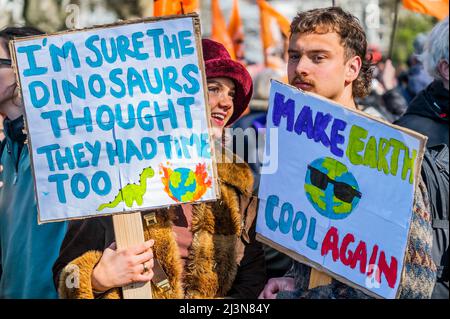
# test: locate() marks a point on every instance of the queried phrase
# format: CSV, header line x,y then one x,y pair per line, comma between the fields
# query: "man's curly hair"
x,y
353,38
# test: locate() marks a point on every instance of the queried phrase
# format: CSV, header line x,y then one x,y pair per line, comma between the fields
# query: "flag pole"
x,y
394,29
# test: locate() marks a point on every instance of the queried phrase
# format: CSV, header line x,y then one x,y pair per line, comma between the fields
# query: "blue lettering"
x,y
98,176
155,35
148,154
170,76
187,102
131,118
73,122
42,101
77,90
75,182
136,38
67,48
115,151
95,151
101,91
103,124
53,116
61,159
164,115
59,180
272,202
185,42
195,85
166,139
283,109
336,138
90,46
47,150
33,69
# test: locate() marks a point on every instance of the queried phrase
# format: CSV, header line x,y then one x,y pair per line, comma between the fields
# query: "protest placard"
x,y
117,118
341,198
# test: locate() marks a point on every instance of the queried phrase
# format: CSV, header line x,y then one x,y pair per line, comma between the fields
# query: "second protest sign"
x,y
340,196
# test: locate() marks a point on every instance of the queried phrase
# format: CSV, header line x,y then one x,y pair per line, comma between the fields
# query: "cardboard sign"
x,y
117,118
341,198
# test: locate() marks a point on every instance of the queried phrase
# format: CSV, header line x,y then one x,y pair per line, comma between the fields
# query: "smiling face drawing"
x,y
331,188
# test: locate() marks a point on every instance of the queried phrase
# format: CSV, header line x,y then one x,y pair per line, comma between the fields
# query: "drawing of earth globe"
x,y
331,189
182,184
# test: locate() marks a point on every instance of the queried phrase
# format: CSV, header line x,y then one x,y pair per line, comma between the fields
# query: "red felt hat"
x,y
218,63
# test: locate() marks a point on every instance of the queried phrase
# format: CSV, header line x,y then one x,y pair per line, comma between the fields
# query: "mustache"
x,y
303,80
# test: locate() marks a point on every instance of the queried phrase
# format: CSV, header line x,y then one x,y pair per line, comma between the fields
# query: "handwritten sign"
x,y
117,118
341,198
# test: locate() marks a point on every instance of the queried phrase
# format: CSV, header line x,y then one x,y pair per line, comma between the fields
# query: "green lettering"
x,y
408,165
355,145
370,153
398,146
383,149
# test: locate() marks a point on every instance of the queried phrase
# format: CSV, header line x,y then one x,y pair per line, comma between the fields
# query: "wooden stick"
x,y
394,30
318,279
128,228
129,232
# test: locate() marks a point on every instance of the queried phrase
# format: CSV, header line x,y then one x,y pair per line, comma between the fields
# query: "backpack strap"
x,y
440,223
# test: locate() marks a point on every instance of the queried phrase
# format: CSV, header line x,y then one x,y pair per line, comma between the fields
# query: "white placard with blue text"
x,y
117,118
342,194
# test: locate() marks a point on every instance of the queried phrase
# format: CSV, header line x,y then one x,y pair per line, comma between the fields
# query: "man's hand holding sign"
x,y
326,205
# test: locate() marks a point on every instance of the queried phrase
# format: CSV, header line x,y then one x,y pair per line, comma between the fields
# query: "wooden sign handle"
x,y
128,227
129,232
318,278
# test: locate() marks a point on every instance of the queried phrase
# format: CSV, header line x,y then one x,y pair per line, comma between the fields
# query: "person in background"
x,y
385,99
27,250
428,111
428,115
418,77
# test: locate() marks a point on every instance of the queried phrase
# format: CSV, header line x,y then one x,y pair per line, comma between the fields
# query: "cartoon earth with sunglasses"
x,y
331,188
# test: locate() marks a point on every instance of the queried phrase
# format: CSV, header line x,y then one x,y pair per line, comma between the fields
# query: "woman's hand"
x,y
121,267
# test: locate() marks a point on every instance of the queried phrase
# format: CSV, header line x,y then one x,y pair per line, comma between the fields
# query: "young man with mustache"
x,y
327,50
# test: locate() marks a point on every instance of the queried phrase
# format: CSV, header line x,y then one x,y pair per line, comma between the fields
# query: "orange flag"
x,y
435,8
236,31
219,28
267,16
169,7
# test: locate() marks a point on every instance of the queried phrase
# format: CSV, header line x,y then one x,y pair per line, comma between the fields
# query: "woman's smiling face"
x,y
221,92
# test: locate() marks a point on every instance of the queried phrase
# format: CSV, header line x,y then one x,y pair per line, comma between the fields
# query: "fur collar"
x,y
216,226
233,171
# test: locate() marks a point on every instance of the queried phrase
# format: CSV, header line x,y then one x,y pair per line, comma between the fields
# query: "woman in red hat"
x,y
203,250
230,86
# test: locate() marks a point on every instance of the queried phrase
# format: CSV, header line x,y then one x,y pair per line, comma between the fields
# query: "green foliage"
x,y
409,26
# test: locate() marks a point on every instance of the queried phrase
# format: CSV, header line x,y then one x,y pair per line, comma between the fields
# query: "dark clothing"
x,y
277,263
391,105
395,103
428,114
435,173
27,250
418,79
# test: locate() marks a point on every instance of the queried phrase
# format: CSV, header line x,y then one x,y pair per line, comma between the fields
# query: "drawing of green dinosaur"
x,y
131,192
